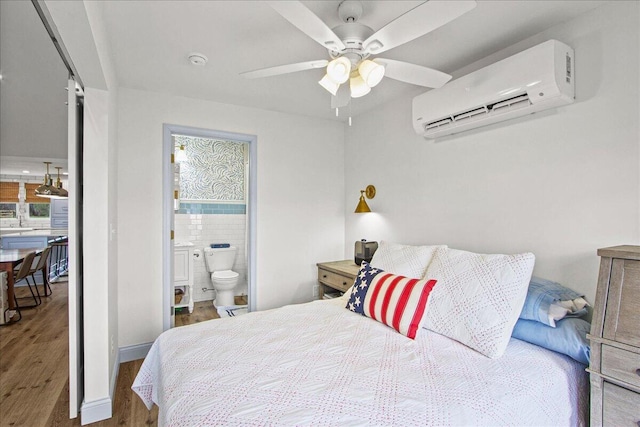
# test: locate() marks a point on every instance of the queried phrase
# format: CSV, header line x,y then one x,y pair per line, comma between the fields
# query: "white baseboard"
x,y
102,409
95,411
134,352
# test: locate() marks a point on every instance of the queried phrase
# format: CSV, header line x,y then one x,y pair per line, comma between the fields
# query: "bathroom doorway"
x,y
209,200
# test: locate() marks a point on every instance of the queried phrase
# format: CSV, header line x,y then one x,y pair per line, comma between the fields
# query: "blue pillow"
x,y
548,301
568,337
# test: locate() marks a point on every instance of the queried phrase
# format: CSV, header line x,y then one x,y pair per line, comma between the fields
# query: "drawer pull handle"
x,y
324,276
638,372
344,283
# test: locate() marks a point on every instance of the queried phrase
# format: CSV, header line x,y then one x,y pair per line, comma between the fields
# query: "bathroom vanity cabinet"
x,y
183,275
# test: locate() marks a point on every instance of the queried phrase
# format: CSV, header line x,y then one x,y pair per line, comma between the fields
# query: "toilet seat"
x,y
224,274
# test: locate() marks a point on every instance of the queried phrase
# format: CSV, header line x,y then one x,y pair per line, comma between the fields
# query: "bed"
x,y
321,364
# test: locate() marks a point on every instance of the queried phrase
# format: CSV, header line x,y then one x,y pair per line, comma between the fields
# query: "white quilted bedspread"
x,y
320,364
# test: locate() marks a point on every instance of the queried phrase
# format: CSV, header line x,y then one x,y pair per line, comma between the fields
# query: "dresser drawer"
x,y
623,303
334,280
621,364
620,407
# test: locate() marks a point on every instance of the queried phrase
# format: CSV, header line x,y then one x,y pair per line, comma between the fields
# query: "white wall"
x,y
300,195
95,244
81,30
560,184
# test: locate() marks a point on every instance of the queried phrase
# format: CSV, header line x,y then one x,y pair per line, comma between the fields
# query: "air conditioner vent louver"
x,y
469,114
437,124
517,101
533,80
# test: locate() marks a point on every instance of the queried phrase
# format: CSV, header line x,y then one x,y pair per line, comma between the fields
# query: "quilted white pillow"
x,y
403,260
478,298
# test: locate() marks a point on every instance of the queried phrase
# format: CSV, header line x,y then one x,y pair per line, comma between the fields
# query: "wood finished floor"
x,y
34,365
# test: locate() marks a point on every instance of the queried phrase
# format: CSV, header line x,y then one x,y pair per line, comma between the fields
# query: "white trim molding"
x,y
133,352
97,410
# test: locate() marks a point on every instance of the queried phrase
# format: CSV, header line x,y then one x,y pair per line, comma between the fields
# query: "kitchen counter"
x,y
32,238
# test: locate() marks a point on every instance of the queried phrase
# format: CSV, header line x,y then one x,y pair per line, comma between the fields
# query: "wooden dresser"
x,y
336,275
615,339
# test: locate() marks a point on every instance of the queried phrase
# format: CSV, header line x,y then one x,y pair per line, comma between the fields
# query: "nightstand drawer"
x,y
334,280
620,407
621,364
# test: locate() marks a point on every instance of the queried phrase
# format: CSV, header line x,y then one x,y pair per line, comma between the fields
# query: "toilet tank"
x,y
219,259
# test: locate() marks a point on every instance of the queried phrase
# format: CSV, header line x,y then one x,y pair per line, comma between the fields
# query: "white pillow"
x,y
478,298
403,260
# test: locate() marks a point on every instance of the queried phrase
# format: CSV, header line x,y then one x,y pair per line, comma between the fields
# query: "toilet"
x,y
219,263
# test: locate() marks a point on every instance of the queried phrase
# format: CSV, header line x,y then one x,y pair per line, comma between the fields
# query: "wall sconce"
x,y
370,193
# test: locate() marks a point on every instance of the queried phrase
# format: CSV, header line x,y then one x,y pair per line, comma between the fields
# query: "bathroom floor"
x,y
202,310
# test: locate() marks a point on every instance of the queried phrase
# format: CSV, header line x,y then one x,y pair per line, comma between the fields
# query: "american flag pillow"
x,y
396,301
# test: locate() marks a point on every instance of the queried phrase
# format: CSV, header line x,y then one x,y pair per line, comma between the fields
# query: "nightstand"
x,y
336,276
615,339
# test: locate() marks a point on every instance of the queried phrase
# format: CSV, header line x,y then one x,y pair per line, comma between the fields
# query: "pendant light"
x,y
47,189
62,192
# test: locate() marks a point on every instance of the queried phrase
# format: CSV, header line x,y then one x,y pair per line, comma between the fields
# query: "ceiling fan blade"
x,y
285,69
342,98
415,23
307,22
412,73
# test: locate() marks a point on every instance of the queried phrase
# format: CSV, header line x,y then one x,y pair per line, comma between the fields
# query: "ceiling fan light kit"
x,y
339,69
371,72
350,46
358,86
330,85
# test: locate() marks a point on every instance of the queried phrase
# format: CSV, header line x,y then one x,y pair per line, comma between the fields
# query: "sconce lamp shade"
x,y
370,193
181,156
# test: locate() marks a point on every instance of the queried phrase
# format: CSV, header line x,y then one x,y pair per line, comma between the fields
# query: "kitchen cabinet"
x,y
59,213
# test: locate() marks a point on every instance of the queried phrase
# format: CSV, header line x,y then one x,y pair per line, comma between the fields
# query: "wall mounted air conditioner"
x,y
533,80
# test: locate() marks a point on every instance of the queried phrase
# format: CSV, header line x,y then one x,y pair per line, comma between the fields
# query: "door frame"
x,y
168,213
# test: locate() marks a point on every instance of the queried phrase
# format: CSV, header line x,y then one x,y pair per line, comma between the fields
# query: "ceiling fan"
x,y
352,45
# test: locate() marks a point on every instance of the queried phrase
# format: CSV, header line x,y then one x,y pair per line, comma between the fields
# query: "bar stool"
x,y
41,265
23,273
61,246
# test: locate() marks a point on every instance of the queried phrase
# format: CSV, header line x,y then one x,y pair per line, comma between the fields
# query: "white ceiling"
x,y
150,41
33,114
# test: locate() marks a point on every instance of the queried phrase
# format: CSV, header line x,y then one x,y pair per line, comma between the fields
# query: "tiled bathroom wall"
x,y
204,229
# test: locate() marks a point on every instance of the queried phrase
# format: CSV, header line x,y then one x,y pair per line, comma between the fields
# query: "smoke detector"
x,y
197,58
